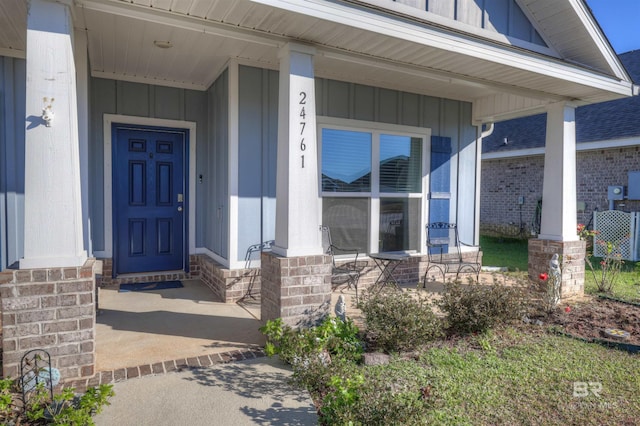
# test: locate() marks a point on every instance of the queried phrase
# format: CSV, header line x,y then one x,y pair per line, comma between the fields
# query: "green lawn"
x,y
510,377
504,252
512,253
507,376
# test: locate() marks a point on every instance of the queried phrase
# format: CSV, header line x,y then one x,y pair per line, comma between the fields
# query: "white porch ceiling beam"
x,y
13,53
180,21
438,75
150,80
504,106
539,64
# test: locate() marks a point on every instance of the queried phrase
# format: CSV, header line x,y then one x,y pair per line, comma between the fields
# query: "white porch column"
x,y
298,214
53,206
559,214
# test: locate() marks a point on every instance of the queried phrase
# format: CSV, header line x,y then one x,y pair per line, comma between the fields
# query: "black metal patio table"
x,y
387,263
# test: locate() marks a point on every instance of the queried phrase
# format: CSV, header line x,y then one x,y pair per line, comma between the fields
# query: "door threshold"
x,y
148,274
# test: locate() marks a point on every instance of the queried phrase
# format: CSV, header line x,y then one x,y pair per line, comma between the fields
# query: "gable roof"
x,y
606,121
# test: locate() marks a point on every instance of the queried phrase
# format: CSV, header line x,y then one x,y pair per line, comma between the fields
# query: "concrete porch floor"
x,y
147,327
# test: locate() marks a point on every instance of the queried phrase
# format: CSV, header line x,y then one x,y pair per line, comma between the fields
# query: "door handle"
x,y
179,208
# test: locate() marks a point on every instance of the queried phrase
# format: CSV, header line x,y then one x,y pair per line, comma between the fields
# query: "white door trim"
x,y
108,120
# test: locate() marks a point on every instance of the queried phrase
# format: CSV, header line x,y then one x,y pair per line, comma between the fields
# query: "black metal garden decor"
x,y
36,372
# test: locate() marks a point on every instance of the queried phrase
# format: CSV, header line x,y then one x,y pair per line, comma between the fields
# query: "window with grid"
x,y
372,187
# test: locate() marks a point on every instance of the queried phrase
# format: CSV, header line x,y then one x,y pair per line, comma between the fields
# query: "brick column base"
x,y
572,255
51,309
296,289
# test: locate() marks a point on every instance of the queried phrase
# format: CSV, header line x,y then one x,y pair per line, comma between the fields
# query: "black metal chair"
x,y
442,237
343,273
249,257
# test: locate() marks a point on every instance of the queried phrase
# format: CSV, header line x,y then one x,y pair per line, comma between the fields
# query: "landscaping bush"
x,y
333,337
310,351
476,307
393,394
399,321
65,409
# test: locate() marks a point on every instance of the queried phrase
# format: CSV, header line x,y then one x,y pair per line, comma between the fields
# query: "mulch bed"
x,y
589,319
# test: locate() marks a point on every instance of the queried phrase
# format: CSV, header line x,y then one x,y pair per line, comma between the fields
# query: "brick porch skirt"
x,y
51,309
572,255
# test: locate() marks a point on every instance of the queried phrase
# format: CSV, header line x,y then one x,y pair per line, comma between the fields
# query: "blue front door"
x,y
149,199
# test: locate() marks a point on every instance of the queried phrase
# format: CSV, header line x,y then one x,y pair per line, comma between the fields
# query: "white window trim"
x,y
374,195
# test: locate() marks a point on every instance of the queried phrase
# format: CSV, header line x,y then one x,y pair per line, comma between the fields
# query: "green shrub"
x,y
65,409
314,353
7,403
394,394
477,307
399,321
337,338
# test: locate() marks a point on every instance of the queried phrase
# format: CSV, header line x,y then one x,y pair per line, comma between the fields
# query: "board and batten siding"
x,y
445,117
500,16
142,100
257,156
214,206
12,136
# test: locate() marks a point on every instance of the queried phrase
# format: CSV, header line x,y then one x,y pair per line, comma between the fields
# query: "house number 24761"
x,y
303,124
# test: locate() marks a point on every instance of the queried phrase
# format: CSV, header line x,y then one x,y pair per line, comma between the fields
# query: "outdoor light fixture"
x,y
163,44
47,111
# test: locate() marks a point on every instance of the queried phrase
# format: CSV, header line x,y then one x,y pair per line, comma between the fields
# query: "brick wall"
x,y
229,285
504,180
572,254
296,289
51,309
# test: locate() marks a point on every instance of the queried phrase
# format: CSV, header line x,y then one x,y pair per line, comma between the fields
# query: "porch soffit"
x,y
354,47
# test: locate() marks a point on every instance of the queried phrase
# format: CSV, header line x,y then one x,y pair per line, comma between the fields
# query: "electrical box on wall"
x,y
615,192
634,186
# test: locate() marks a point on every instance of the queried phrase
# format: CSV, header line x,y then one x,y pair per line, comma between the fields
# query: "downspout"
x,y
483,134
488,131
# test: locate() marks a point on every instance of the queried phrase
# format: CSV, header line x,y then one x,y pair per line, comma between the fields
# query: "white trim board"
x,y
471,47
376,129
108,120
580,146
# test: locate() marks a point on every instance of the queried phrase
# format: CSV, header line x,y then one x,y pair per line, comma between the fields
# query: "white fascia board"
x,y
467,46
599,38
608,144
532,152
584,146
596,35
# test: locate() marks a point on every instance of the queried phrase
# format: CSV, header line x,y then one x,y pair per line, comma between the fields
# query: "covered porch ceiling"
x,y
355,45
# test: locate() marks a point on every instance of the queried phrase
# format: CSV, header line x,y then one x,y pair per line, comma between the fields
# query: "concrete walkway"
x,y
253,392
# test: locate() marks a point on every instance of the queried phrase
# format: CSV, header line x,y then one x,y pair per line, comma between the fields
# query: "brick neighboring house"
x,y
608,148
